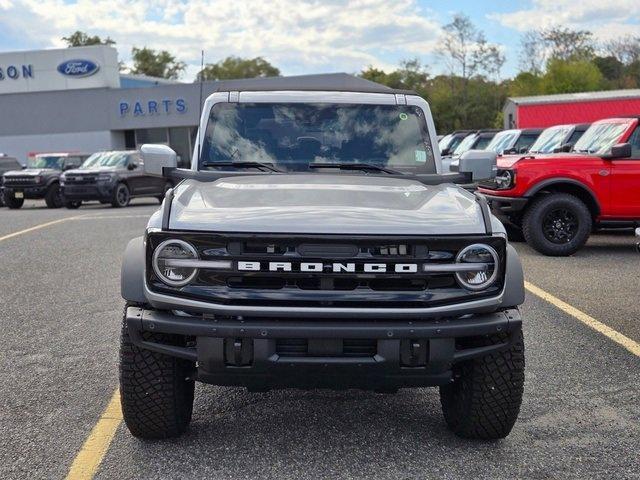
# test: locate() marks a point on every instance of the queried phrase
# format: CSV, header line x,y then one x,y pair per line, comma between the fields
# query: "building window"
x,y
130,139
152,135
179,140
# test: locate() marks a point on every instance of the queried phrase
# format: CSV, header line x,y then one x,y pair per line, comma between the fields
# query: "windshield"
x,y
465,145
291,136
550,139
444,142
46,161
106,160
600,137
503,140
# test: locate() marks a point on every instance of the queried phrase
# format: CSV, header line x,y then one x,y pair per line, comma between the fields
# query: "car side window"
x,y
73,162
525,141
634,140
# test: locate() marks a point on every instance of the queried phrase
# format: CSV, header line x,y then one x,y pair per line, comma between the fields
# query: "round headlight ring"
x,y
492,278
156,253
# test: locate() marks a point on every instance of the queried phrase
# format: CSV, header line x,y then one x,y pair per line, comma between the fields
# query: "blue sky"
x,y
303,36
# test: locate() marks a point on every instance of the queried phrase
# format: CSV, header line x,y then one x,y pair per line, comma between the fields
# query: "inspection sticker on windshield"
x,y
403,116
421,156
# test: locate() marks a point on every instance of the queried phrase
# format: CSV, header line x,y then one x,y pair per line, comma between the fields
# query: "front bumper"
x,y
249,352
32,192
88,192
506,205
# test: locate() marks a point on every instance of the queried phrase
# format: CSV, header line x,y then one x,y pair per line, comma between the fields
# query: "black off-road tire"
x,y
532,224
121,196
53,198
72,204
156,391
484,399
12,202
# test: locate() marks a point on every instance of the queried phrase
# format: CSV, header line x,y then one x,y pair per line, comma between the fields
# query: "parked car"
x,y
560,138
449,142
313,245
41,179
113,177
475,141
556,200
514,141
7,164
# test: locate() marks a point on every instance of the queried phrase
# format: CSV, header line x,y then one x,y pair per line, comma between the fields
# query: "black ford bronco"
x,y
40,180
315,243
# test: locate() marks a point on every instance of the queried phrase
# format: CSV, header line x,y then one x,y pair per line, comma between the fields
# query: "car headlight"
x,y
168,262
105,177
505,179
484,270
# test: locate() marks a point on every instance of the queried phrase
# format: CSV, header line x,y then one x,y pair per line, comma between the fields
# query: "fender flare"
x,y
559,180
132,272
513,280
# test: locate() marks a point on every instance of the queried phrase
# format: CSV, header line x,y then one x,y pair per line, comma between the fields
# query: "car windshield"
x,y
550,139
444,142
503,140
465,145
291,136
106,160
46,161
600,137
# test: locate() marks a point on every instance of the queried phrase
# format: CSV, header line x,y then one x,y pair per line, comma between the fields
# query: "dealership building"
x,y
76,99
547,110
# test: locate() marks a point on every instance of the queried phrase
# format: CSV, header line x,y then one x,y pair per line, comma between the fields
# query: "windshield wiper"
x,y
355,166
242,164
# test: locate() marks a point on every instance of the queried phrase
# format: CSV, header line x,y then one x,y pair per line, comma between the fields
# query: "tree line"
x,y
471,93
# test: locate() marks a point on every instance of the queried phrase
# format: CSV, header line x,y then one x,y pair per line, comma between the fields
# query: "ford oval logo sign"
x,y
78,68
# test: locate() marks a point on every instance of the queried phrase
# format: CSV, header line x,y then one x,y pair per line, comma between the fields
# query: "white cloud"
x,y
606,19
297,36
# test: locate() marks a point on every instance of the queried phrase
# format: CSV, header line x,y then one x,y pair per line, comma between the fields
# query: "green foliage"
x,y
81,39
156,64
235,67
571,76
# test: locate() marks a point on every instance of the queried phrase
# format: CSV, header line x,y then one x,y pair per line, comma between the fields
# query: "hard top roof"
x,y
331,82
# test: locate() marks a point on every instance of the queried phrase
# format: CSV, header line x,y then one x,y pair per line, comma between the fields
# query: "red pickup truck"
x,y
556,200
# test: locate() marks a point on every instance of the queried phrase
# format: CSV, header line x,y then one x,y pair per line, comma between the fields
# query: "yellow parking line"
x,y
37,227
619,338
88,460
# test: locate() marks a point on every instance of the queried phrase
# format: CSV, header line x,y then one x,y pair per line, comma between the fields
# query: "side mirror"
x,y
481,164
566,147
621,150
132,166
524,150
156,158
445,152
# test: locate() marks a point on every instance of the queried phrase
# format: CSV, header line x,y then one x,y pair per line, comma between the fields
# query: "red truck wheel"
x,y
558,224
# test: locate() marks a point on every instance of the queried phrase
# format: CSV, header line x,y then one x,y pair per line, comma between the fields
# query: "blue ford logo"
x,y
78,68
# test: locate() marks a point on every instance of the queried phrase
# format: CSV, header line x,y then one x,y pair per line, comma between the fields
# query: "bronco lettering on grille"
x,y
336,267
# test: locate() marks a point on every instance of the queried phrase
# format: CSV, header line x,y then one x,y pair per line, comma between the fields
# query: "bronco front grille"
x,y
80,179
332,270
22,181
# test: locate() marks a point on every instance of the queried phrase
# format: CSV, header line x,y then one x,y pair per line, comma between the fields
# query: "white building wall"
x,y
19,146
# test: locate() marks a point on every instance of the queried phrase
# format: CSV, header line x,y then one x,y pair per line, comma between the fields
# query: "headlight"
x,y
105,177
505,179
485,266
166,262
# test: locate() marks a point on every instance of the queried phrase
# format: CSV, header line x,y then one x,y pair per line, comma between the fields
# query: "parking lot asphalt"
x,y
61,314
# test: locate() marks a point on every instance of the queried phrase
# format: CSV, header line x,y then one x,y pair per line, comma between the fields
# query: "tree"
x,y
156,64
236,67
81,39
532,52
567,44
625,49
411,75
611,68
571,76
